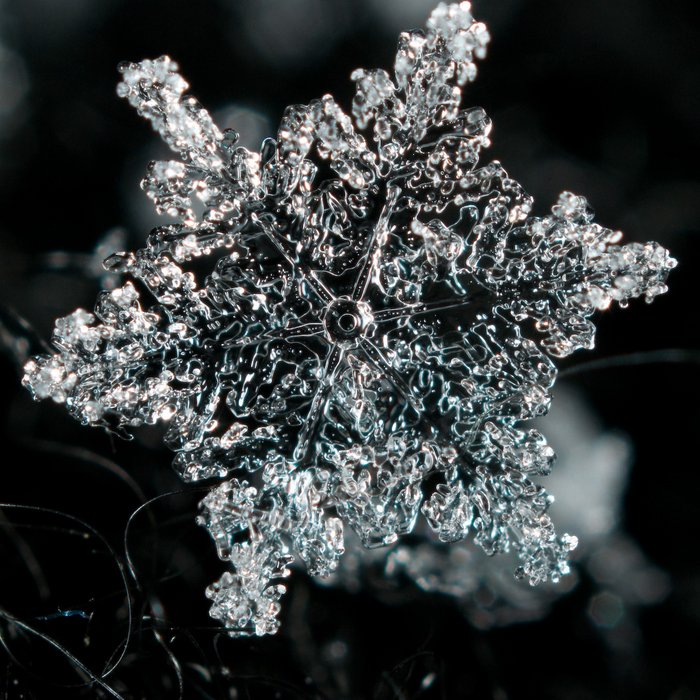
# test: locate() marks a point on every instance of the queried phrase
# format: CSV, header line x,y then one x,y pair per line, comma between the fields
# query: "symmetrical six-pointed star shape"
x,y
358,332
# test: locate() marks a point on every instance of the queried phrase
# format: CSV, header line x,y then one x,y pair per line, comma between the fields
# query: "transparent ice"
x,y
590,481
358,321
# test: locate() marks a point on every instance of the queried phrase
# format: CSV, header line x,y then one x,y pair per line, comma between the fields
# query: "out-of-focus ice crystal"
x,y
357,320
14,82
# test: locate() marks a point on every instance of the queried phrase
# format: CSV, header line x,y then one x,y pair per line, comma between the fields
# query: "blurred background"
x,y
101,588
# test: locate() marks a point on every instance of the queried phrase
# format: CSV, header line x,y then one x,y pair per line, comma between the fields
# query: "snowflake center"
x,y
346,321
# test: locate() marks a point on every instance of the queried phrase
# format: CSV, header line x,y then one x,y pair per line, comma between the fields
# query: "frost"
x,y
363,345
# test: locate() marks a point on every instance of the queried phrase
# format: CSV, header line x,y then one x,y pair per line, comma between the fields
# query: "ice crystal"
x,y
357,324
590,481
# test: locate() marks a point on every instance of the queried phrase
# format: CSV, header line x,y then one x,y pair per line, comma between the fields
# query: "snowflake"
x,y
358,331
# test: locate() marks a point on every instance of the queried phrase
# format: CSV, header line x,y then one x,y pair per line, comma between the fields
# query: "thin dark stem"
x,y
636,359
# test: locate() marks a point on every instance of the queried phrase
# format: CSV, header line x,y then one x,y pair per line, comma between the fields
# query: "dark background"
x,y
600,98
